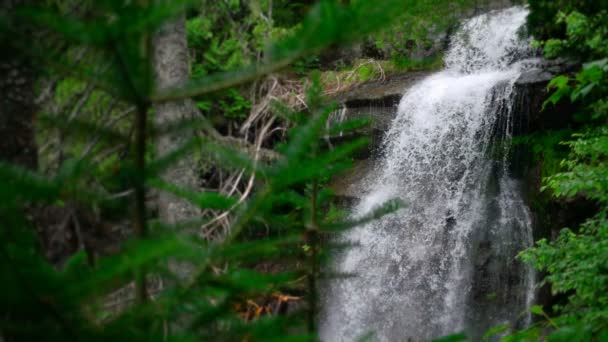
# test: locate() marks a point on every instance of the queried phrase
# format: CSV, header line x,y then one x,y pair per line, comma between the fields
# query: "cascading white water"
x,y
445,263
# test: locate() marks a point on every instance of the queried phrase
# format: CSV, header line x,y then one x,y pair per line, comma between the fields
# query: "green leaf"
x,y
119,268
350,125
537,310
452,338
499,329
204,200
305,137
582,92
567,334
82,128
328,22
560,84
17,183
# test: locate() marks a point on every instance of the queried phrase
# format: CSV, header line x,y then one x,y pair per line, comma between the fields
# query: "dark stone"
x,y
549,214
534,76
543,70
388,91
345,187
377,100
531,92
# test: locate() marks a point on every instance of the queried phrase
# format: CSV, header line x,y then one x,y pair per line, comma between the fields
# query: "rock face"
x,y
489,5
381,92
532,119
550,215
377,100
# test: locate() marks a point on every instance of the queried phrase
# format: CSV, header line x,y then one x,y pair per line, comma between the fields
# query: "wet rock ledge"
x,y
377,100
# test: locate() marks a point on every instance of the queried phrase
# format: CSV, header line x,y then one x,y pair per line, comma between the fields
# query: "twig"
x,y
250,182
139,222
109,125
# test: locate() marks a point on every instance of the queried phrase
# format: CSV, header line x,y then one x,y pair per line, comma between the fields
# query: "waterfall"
x,y
446,262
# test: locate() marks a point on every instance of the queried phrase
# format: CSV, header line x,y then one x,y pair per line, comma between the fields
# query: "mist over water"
x,y
445,263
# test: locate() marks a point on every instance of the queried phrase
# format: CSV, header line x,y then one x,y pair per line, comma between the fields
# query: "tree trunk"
x,y
18,75
171,67
17,108
17,140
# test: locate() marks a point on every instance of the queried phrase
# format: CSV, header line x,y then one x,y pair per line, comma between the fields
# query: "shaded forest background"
x,y
164,165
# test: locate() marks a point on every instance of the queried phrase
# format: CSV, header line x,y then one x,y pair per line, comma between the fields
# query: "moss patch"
x,y
365,70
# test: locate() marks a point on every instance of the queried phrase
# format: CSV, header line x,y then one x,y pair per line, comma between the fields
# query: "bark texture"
x,y
18,75
17,108
171,67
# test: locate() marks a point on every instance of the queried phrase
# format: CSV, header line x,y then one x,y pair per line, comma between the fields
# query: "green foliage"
x,y
215,47
584,34
547,149
420,29
289,204
542,20
328,23
365,70
495,331
403,64
575,262
287,13
305,64
230,103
